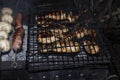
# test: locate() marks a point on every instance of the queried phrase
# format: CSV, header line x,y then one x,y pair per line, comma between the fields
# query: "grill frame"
x,y
49,61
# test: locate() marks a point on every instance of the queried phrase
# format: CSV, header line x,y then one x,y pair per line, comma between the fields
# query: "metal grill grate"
x,y
44,55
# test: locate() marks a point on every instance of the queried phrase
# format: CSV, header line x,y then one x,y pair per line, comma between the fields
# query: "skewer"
x,y
0,51
14,64
0,57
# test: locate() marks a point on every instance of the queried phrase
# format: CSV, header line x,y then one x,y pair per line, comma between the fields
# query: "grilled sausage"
x,y
18,35
18,21
17,39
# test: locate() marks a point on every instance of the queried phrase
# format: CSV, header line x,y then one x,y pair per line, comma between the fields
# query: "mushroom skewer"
x,y
4,45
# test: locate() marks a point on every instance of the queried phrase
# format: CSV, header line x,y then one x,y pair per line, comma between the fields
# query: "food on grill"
x,y
90,32
45,50
68,47
71,18
62,47
56,17
7,11
47,40
18,35
51,35
91,47
80,33
64,15
4,45
17,39
19,31
3,35
5,27
59,32
18,20
16,43
49,15
7,18
46,37
50,21
53,15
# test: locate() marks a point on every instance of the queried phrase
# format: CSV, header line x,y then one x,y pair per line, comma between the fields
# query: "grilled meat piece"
x,y
91,47
17,40
46,37
68,47
18,20
18,35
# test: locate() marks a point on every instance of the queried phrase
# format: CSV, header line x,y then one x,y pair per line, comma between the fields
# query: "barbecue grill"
x,y
38,60
63,40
